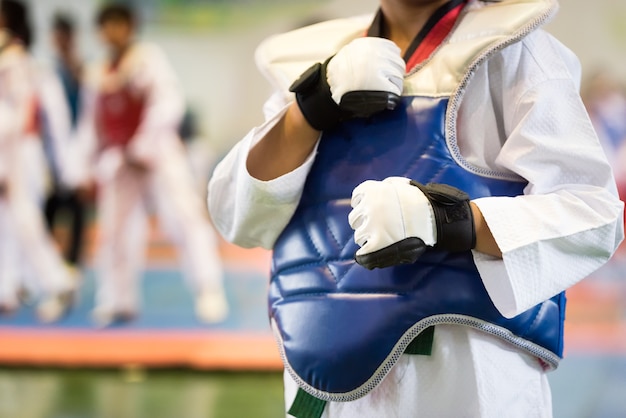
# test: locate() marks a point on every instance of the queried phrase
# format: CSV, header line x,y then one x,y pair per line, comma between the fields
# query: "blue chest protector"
x,y
342,327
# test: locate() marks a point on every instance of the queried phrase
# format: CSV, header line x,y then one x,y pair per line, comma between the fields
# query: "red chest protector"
x,y
118,115
32,125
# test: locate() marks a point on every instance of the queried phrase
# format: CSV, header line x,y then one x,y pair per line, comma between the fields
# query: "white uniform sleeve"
x,y
8,130
7,127
569,220
247,211
164,105
15,93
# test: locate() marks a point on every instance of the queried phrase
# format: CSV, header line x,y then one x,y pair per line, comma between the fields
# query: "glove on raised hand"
x,y
364,78
396,219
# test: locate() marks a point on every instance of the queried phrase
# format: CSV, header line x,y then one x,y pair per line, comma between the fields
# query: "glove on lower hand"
x,y
364,78
396,219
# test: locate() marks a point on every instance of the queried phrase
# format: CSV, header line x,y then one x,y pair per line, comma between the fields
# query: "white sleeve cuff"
x,y
250,212
496,280
539,260
286,188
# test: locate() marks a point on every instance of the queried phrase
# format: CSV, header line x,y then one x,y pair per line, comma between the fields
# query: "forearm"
x,y
485,242
246,210
284,148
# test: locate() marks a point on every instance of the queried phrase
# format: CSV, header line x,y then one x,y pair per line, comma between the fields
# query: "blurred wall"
x,y
216,66
596,32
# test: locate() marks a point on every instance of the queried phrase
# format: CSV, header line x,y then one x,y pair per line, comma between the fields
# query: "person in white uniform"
x,y
133,107
26,247
390,297
61,197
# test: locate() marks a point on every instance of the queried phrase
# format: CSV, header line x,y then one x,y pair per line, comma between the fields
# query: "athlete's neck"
x,y
403,19
118,52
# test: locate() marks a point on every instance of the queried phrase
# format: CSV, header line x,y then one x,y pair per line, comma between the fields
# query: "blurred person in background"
x,y
30,96
133,109
605,99
430,186
64,196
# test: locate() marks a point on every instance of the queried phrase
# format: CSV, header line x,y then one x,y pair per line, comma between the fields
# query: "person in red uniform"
x,y
133,108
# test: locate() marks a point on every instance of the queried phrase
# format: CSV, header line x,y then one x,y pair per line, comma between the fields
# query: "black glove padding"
x,y
315,100
406,251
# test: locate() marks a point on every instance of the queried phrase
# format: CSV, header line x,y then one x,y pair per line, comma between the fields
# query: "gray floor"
x,y
588,386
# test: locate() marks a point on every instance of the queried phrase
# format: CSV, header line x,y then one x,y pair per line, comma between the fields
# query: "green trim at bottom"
x,y
423,343
306,406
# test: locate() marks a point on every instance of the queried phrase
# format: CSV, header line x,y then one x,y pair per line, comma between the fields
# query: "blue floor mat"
x,y
167,304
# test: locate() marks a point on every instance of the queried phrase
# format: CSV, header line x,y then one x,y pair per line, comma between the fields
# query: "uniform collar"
x,y
437,27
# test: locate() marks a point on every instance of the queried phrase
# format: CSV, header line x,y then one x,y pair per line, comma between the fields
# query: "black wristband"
x,y
315,99
453,216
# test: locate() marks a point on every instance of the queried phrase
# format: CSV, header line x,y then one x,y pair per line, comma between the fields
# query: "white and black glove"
x,y
364,78
396,219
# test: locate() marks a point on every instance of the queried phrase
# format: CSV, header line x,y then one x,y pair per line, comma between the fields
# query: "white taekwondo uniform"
x,y
132,111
